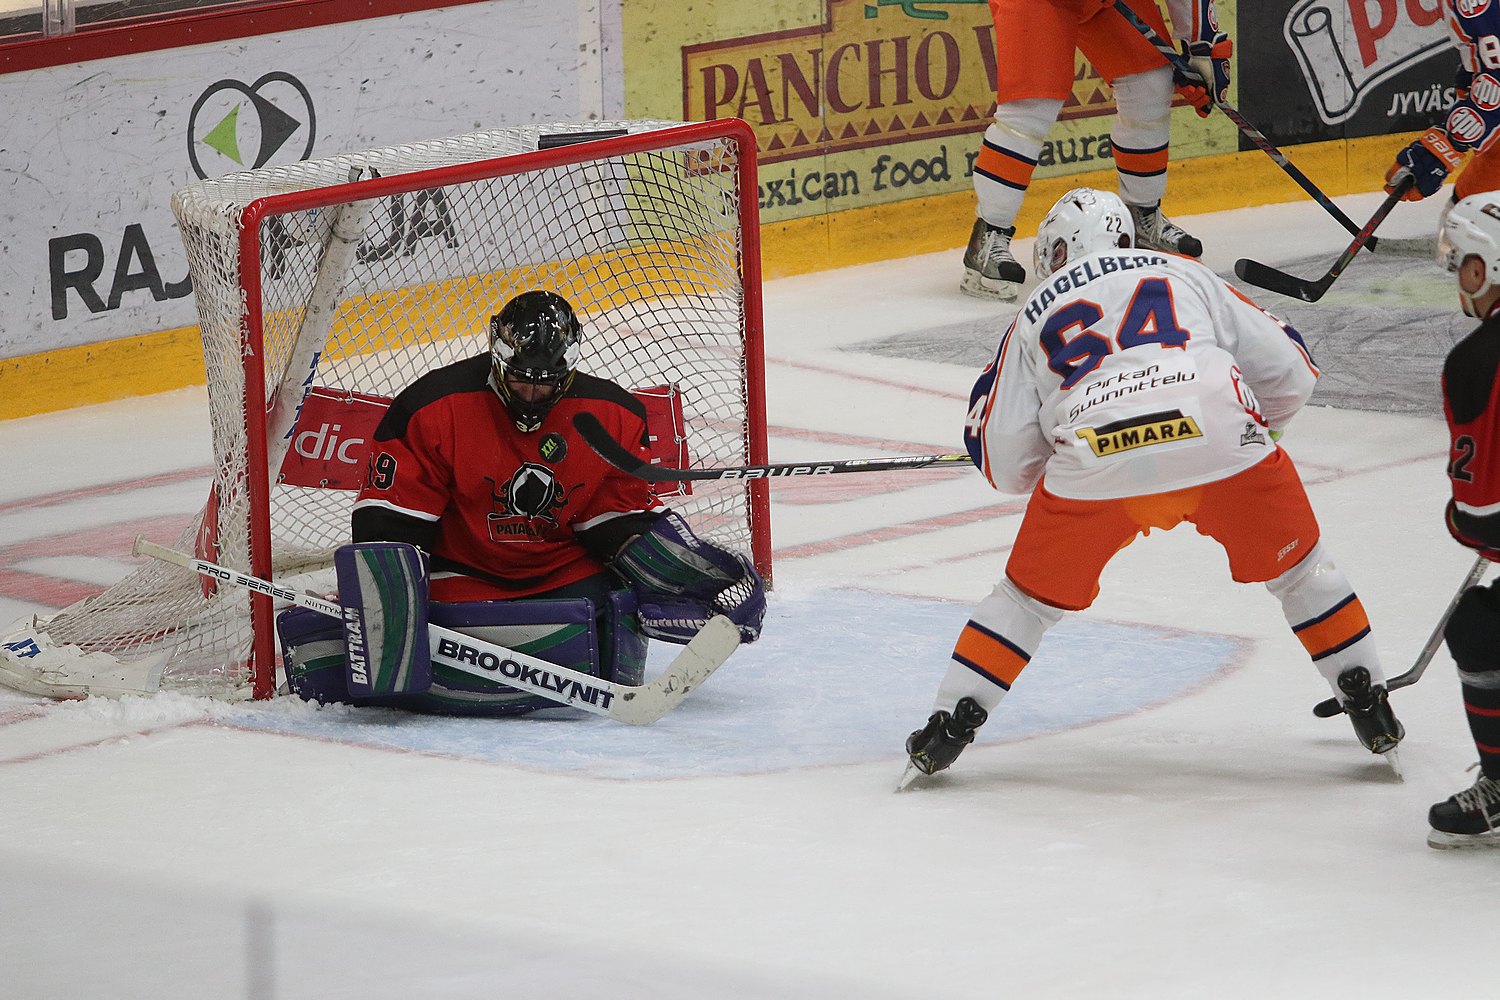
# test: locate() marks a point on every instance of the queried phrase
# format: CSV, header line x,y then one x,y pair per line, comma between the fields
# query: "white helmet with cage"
x,y
1472,229
1082,222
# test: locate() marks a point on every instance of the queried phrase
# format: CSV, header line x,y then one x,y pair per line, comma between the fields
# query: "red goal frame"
x,y
263,651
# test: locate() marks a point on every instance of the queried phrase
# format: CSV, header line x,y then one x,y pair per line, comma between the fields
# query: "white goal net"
x,y
325,287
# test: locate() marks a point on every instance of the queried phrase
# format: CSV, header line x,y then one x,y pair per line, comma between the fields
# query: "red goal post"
x,y
326,286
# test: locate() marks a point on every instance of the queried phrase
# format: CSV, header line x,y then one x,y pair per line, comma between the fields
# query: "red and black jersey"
x,y
1469,401
511,512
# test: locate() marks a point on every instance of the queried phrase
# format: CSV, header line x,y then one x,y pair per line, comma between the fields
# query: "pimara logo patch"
x,y
1140,432
234,126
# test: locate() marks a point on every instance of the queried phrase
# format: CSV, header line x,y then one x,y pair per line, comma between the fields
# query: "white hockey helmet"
x,y
1472,229
1082,222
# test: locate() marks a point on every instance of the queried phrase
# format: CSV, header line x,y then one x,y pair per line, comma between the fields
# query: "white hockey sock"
x,y
1327,617
1141,134
1012,143
1002,633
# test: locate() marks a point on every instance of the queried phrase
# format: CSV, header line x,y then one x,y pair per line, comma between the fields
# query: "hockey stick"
x,y
1328,709
593,433
636,706
1292,286
1249,131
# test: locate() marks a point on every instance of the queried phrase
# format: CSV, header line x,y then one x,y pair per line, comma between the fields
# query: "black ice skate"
x,y
1470,818
938,744
1369,709
990,271
1155,231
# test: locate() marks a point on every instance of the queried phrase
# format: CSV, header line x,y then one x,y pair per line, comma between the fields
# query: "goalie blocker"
x,y
376,656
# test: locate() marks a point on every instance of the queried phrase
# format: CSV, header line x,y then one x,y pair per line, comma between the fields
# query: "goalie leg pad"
x,y
624,644
560,631
682,581
312,654
383,591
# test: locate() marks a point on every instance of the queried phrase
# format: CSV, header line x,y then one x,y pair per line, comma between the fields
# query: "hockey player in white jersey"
x,y
1137,390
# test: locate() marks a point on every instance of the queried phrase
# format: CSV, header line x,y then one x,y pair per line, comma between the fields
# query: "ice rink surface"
x,y
1153,812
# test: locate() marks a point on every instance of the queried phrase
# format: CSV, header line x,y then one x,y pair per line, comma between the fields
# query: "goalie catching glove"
x,y
681,581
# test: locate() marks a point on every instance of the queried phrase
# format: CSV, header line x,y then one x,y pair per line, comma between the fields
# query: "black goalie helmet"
x,y
534,341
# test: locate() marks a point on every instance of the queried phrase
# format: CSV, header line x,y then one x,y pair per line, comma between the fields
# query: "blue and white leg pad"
x,y
383,590
560,631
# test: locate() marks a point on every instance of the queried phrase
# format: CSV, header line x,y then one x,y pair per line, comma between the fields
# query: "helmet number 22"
x,y
1149,319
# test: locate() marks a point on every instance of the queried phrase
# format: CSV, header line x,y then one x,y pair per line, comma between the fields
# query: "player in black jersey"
x,y
1471,379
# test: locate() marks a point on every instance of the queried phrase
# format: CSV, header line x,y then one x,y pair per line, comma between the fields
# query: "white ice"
x,y
1153,812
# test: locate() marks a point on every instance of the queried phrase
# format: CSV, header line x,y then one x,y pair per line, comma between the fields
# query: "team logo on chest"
x,y
526,504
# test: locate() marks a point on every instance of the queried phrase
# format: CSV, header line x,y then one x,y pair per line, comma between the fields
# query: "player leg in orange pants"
x,y
1064,544
1035,42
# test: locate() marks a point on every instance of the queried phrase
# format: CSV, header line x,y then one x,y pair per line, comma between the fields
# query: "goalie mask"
x,y
1083,221
534,344
1471,229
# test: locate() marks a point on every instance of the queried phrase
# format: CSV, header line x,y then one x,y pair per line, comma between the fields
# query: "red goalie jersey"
x,y
503,513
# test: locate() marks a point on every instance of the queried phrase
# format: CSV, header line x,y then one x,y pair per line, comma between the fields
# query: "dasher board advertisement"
x,y
91,152
1340,69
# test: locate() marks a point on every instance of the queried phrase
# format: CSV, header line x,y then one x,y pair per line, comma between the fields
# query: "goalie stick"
x,y
636,706
1249,131
1311,291
1328,709
596,437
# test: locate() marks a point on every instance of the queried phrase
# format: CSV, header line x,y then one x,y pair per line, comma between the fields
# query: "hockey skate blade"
x,y
1440,841
977,287
1393,758
912,773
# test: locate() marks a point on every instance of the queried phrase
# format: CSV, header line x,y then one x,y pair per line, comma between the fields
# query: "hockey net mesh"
x,y
646,245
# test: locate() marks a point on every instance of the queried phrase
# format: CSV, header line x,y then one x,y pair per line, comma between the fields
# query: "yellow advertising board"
x,y
861,103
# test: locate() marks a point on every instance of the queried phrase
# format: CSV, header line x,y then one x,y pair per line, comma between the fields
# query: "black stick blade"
x,y
1265,276
597,438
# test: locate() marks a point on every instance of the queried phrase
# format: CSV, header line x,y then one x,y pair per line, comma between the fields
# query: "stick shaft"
x,y
1250,132
599,439
573,688
1331,707
1273,279
1414,673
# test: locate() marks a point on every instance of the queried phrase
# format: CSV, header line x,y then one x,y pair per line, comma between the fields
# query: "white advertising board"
x,y
90,153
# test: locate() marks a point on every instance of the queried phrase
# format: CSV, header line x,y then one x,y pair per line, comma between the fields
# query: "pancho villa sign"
x,y
871,73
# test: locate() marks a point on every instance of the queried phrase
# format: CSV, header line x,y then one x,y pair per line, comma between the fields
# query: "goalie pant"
x,y
563,628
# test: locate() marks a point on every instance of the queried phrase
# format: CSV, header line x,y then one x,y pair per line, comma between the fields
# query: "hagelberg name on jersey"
x,y
1080,274
1140,432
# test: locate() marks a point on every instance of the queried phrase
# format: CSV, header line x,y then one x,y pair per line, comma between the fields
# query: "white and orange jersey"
x,y
1131,372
